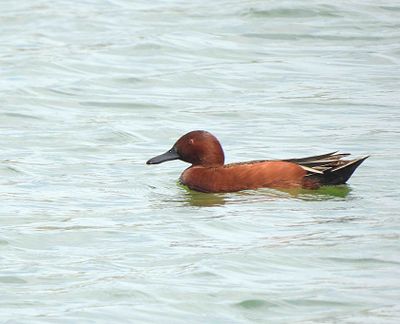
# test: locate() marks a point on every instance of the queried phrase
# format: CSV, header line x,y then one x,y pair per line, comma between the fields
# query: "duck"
x,y
209,173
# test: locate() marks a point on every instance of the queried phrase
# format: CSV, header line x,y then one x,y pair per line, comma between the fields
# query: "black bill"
x,y
167,156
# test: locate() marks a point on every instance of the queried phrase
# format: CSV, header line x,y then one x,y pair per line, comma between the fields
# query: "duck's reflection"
x,y
200,199
322,193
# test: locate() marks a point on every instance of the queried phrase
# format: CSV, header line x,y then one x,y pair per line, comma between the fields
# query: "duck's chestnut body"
x,y
209,174
241,176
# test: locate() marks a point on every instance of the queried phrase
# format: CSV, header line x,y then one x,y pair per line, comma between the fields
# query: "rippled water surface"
x,y
89,90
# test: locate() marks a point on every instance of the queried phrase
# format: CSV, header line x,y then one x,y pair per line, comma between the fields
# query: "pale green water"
x,y
90,90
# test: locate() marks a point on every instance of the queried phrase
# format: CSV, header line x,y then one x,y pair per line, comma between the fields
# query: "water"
x,y
90,90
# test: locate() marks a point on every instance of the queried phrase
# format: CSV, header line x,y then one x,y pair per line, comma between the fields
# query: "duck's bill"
x,y
167,156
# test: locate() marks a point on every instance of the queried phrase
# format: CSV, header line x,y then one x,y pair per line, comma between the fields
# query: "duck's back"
x,y
242,176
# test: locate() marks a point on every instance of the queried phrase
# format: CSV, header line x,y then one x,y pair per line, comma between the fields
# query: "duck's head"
x,y
196,147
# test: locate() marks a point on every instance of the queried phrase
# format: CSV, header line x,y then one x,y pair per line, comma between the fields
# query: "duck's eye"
x,y
191,141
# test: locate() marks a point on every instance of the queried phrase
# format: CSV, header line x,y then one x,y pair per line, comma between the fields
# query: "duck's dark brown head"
x,y
196,147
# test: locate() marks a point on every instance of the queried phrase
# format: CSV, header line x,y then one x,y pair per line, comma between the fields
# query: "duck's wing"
x,y
314,157
325,169
329,169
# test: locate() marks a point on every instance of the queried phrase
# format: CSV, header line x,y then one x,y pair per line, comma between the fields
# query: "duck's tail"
x,y
328,169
